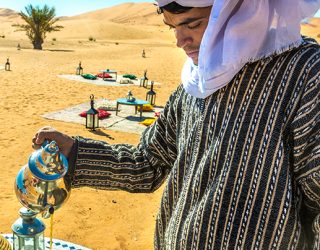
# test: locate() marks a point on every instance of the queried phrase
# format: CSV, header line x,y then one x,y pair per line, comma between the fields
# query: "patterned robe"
x,y
241,167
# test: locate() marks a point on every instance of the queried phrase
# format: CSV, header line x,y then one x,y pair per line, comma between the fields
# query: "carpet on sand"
x,y
125,121
100,81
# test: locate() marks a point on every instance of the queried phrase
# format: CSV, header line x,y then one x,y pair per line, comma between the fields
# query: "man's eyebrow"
x,y
186,21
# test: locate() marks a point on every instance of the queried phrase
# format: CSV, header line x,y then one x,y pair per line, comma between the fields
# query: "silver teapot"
x,y
40,185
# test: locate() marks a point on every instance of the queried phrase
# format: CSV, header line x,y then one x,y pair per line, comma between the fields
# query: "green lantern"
x,y
79,70
92,119
144,80
151,95
7,65
28,231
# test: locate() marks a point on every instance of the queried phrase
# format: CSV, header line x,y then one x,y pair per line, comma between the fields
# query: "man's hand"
x,y
64,142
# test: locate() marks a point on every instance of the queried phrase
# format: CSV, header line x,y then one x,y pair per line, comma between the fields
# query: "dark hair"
x,y
173,8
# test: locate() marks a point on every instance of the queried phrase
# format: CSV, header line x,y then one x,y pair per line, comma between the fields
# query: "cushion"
x,y
107,107
126,81
102,113
157,114
103,75
130,76
146,107
148,121
89,76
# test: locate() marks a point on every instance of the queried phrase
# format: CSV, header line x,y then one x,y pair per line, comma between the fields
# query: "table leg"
x,y
141,112
117,108
136,109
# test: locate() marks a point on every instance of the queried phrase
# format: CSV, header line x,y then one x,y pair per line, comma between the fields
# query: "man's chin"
x,y
195,61
193,56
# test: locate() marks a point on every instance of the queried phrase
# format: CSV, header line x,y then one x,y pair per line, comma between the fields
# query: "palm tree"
x,y
39,22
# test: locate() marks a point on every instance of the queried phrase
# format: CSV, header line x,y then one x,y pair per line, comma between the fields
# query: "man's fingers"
x,y
43,134
35,146
64,142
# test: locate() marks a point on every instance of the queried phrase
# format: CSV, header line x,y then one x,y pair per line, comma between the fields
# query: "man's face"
x,y
189,28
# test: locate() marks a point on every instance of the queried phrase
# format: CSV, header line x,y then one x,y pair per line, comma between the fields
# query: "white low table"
x,y
56,244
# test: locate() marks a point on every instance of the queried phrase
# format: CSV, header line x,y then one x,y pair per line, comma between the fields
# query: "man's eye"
x,y
194,25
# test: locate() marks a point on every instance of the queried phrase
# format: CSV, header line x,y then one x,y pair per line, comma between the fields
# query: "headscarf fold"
x,y
239,32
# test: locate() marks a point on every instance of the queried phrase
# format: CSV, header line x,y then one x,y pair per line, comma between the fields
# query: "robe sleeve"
x,y
141,168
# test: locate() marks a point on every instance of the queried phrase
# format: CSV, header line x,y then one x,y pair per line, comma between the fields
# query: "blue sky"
x,y
66,7
70,7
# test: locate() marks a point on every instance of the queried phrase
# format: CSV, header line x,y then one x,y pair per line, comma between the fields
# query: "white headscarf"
x,y
238,32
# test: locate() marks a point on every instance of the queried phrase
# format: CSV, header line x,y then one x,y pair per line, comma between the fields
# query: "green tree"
x,y
39,22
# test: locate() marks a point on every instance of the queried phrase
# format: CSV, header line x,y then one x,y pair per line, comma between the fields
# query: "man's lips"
x,y
192,54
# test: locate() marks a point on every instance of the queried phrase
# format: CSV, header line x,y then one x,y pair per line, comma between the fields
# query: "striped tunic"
x,y
241,167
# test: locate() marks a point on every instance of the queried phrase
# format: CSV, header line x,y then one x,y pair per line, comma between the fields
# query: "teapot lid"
x,y
47,163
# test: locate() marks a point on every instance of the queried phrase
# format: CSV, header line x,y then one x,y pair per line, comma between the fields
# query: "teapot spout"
x,y
49,210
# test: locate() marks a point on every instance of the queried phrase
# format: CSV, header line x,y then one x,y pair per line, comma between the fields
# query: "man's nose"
x,y
183,37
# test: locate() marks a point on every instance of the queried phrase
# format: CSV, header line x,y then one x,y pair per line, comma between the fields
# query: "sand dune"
x,y
94,218
133,13
7,13
130,20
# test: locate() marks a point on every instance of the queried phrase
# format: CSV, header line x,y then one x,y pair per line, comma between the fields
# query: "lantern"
x,y
130,97
79,70
92,119
143,54
18,46
151,95
7,65
28,231
144,80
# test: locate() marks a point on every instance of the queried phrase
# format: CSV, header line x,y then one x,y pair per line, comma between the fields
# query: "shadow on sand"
x,y
60,50
135,118
101,133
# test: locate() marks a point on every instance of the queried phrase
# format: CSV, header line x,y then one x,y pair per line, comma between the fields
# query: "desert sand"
x,y
97,219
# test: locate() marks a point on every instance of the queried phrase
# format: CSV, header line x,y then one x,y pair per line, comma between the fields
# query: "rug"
x,y
99,81
125,121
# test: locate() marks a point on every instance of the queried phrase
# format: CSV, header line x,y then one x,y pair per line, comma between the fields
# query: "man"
x,y
238,141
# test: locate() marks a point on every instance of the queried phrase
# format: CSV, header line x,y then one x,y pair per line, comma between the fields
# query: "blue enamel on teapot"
x,y
40,185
